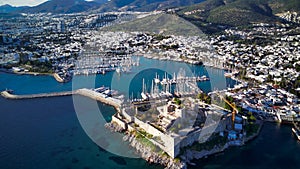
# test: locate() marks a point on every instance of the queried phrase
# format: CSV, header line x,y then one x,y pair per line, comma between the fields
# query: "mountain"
x,y
64,6
162,23
8,8
72,6
237,12
145,5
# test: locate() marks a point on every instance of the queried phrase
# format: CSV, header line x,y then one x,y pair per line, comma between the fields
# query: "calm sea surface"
x,y
47,133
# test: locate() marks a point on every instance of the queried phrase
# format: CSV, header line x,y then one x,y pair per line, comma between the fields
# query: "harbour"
x,y
48,149
100,79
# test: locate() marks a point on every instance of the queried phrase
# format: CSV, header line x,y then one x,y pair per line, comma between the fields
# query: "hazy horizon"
x,y
22,3
17,3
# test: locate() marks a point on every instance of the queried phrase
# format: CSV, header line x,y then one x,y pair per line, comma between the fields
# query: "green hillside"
x,y
162,23
145,5
212,13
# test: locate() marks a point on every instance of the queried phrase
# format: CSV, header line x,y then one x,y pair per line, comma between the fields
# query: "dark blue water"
x,y
276,147
47,133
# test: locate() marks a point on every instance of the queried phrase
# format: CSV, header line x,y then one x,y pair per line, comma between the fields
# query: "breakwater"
x,y
116,103
8,95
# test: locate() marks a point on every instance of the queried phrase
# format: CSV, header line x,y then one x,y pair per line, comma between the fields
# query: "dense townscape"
x,y
263,58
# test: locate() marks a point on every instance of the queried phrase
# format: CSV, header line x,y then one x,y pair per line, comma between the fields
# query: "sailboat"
x,y
156,79
144,94
165,80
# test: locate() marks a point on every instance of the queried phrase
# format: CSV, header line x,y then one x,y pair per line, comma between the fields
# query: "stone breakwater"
x,y
116,103
8,95
146,152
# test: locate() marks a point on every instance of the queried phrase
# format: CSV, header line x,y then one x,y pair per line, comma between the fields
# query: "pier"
x,y
116,103
8,95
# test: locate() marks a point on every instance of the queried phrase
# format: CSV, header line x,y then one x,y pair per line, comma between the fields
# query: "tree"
x,y
177,101
230,100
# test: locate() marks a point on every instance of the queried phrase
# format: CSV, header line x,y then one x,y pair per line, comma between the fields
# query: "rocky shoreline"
x,y
169,163
190,155
261,123
146,152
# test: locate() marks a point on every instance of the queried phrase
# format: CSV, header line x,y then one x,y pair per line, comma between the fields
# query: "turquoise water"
x,y
47,133
28,84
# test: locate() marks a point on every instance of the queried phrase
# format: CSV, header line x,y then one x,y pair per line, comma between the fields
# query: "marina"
x,y
150,84
98,63
177,86
97,92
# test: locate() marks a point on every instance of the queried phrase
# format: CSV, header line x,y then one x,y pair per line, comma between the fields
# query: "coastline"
x,y
188,61
145,152
250,138
191,155
26,73
180,162
55,75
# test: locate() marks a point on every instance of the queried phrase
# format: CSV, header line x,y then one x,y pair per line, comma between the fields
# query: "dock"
x,y
116,103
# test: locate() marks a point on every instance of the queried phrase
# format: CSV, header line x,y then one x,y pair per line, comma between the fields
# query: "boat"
x,y
108,92
144,95
118,70
101,89
164,80
203,78
62,77
296,132
228,75
156,80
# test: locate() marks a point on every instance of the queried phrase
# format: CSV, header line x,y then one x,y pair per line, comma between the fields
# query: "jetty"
x,y
9,95
116,103
91,93
62,77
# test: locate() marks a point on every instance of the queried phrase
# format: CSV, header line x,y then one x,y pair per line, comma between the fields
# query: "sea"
x,y
52,133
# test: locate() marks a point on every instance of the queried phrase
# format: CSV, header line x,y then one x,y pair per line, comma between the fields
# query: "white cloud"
x,y
22,2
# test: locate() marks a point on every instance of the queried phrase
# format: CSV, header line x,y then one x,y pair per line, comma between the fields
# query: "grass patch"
x,y
215,140
251,129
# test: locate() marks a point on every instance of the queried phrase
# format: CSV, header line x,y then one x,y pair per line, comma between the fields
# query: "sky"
x,y
21,2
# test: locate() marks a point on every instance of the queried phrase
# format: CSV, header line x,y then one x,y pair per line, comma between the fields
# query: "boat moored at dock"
x,y
296,131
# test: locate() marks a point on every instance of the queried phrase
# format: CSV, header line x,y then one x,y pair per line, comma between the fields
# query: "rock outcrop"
x,y
146,152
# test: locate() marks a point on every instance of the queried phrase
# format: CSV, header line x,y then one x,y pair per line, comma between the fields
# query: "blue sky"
x,y
22,2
